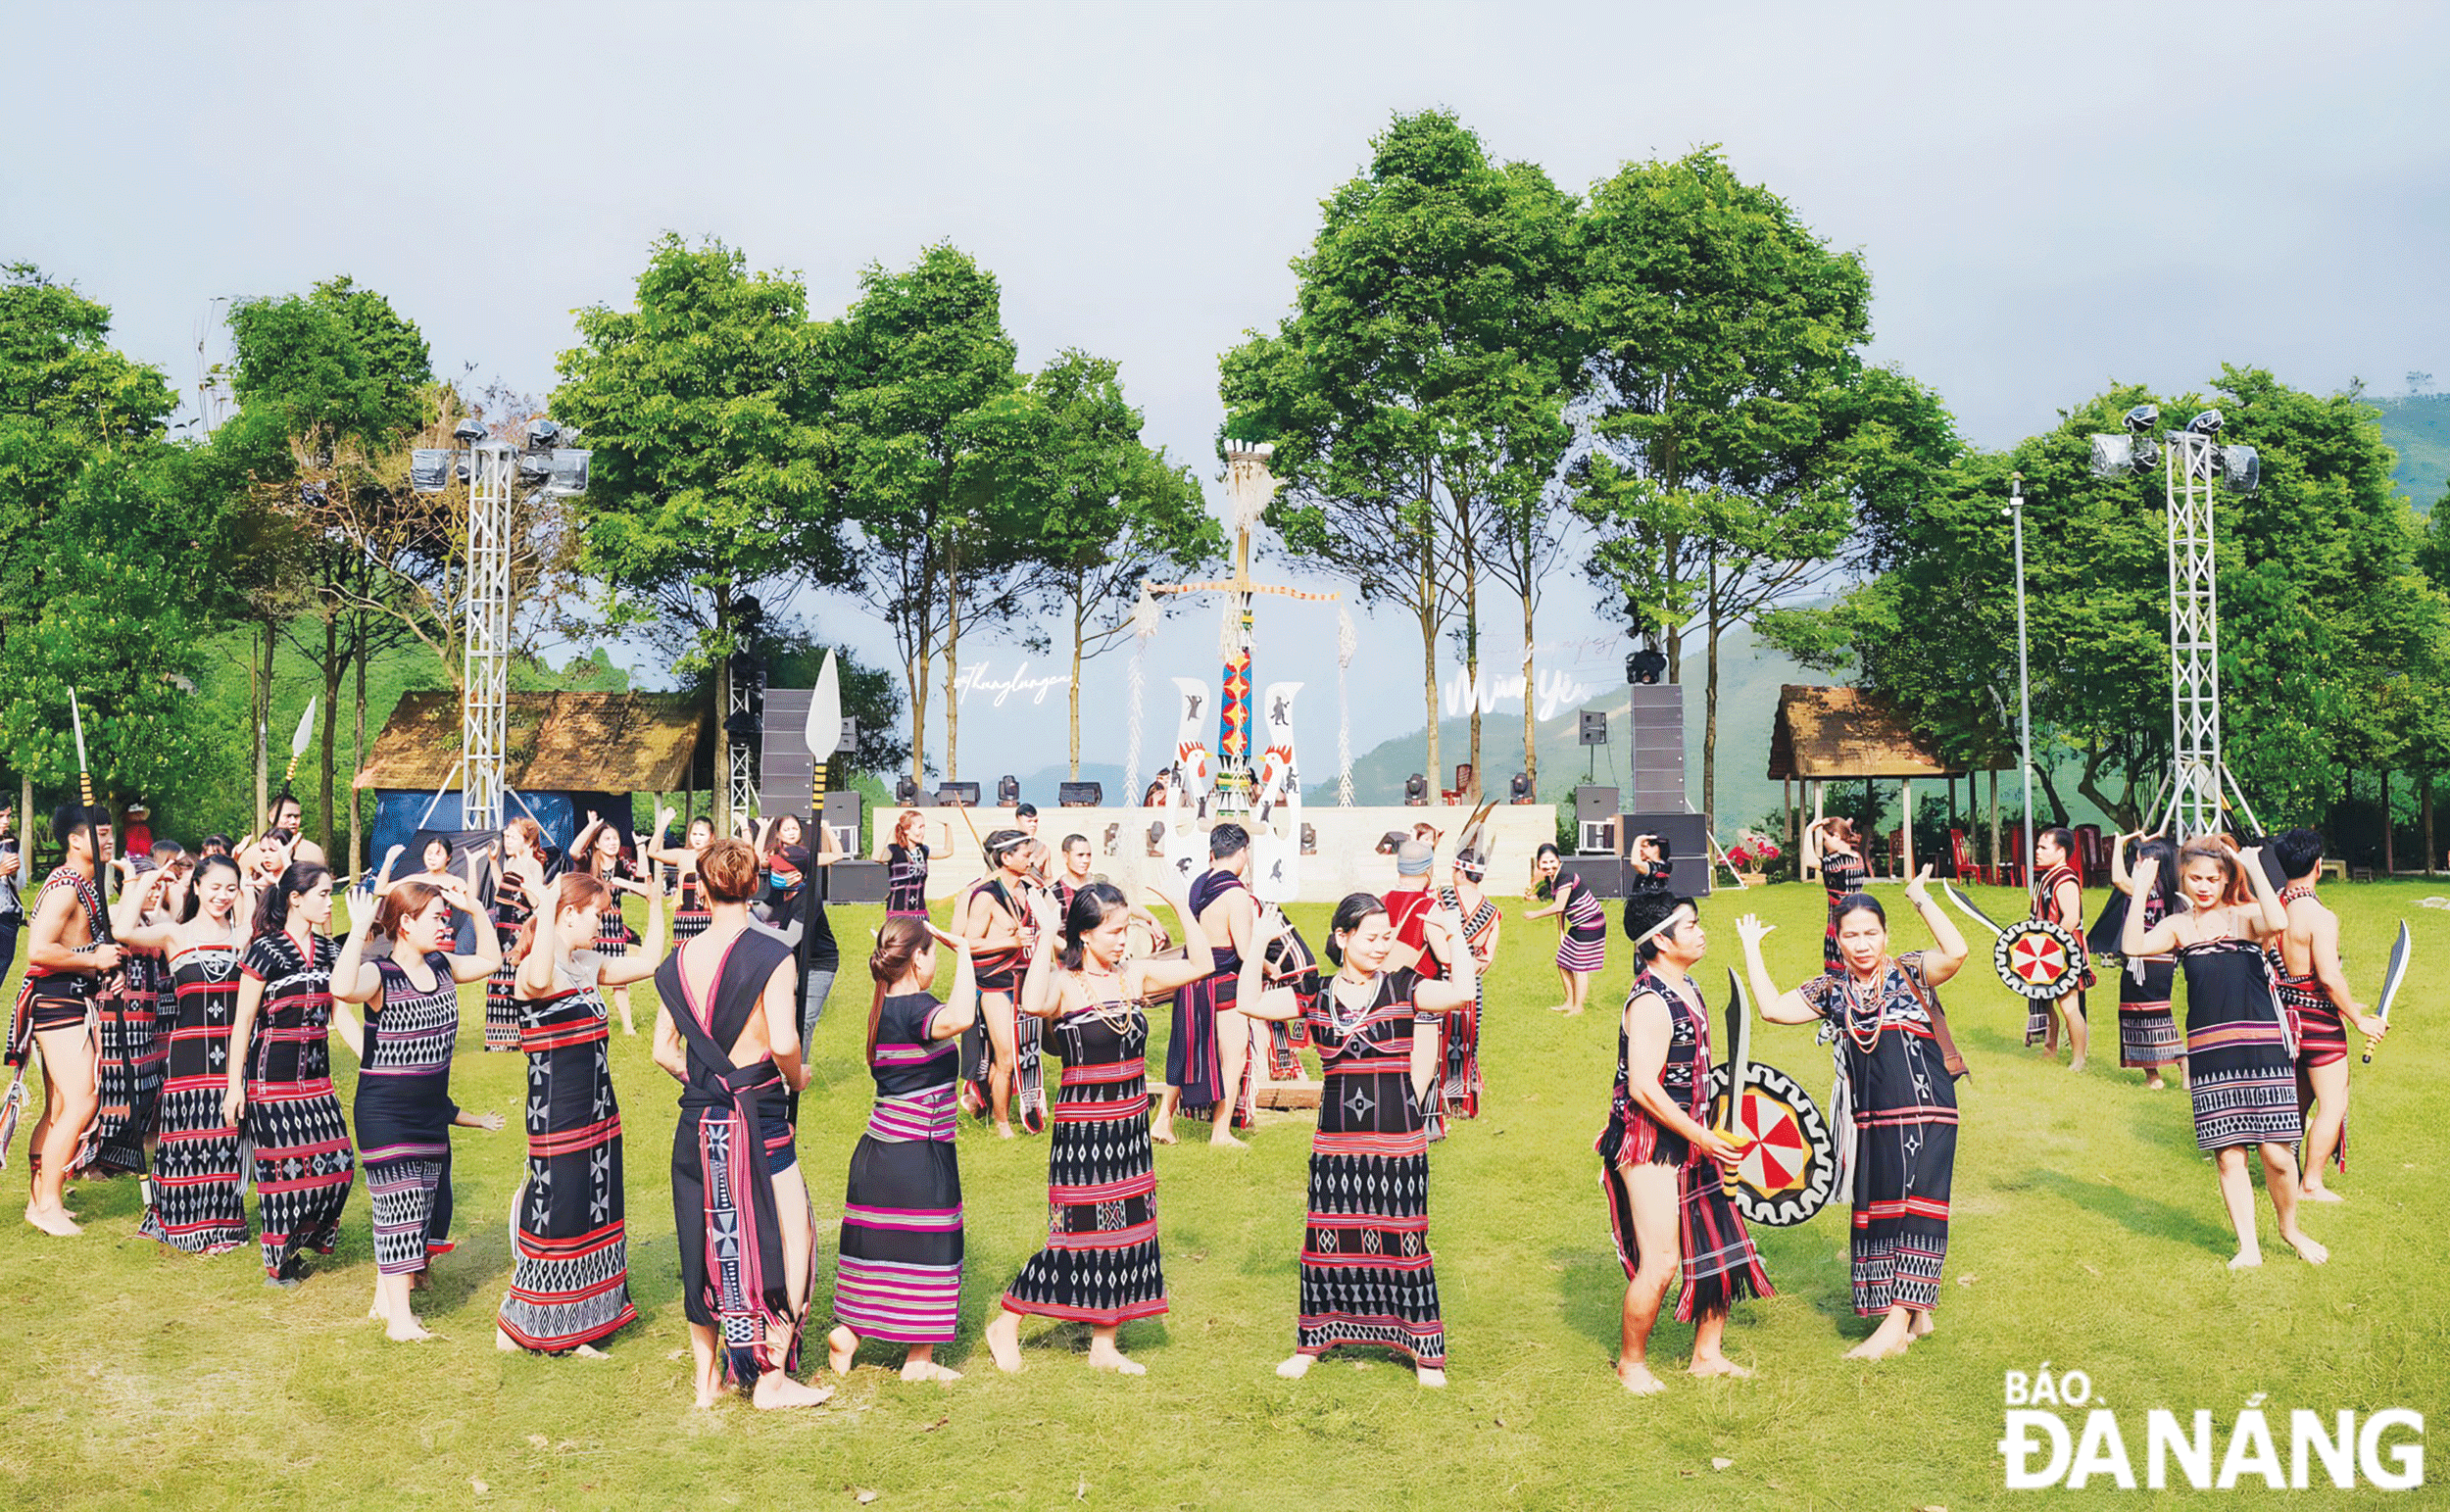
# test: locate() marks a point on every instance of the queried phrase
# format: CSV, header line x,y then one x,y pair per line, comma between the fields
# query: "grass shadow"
x,y
2144,1216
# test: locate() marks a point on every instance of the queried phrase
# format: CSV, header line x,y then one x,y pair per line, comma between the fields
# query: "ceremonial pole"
x,y
823,733
2023,680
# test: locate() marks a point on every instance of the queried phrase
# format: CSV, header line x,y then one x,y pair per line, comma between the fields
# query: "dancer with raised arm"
x,y
1895,1118
128,1049
729,1033
905,855
523,858
281,1097
2314,992
405,1114
1660,1160
2059,897
199,1179
897,1275
1460,1082
1100,1265
602,854
2242,1067
1208,1052
1002,1052
1583,927
689,918
2149,1038
1836,848
569,1228
1367,1276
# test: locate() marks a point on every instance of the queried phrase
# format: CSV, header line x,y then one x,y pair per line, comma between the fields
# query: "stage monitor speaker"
x,y
1595,837
1687,837
1080,795
855,882
843,812
1591,804
956,795
1604,875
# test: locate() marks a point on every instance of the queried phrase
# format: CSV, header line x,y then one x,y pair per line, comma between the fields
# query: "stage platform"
x,y
1343,856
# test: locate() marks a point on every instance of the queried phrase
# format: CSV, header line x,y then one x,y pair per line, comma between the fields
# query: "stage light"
x,y
2208,423
568,476
1080,795
1645,666
429,470
1008,792
2142,419
2240,469
905,792
1519,791
744,725
956,795
1416,791
469,431
534,469
2118,457
543,435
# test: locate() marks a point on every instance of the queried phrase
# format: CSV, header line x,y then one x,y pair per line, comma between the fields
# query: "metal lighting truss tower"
x,y
743,716
491,469
2196,467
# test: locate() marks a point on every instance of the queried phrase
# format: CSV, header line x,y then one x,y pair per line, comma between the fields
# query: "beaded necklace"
x,y
1879,1018
1120,1022
1343,1028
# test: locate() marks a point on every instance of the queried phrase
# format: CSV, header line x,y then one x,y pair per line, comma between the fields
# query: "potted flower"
x,y
1751,852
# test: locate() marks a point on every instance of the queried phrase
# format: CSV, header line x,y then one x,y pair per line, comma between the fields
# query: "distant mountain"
x,y
2418,428
1750,675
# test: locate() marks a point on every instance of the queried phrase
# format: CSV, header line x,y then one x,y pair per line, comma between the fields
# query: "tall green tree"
x,y
1108,511
1739,427
925,404
703,404
1415,394
110,553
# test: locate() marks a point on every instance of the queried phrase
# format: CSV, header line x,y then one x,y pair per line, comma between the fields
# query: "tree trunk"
x,y
1531,720
331,726
1079,616
2390,852
357,757
1994,823
260,675
1709,708
1428,604
953,674
2426,806
1471,637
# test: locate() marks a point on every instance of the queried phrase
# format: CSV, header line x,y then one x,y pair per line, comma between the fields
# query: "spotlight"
x,y
2142,419
534,469
429,470
1519,791
543,435
956,795
1008,792
2208,423
1416,791
2240,469
1645,666
905,792
469,431
569,475
2118,457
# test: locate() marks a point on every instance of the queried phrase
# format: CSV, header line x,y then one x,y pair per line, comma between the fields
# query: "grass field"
x,y
2086,1234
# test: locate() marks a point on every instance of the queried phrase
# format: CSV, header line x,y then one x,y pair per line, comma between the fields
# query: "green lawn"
x,y
2087,1235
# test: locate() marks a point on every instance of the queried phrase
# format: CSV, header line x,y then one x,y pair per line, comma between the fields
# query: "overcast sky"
x,y
2049,197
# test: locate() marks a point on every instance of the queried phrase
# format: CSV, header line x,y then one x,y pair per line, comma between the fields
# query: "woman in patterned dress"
x,y
897,1271
1100,1265
569,1283
689,916
605,858
1461,1083
1367,1276
199,1184
521,841
905,867
280,1073
405,1114
2148,1036
1583,927
2241,1068
1833,844
131,1050
1895,1117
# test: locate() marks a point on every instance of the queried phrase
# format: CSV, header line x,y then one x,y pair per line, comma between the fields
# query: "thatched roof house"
x,y
1823,734
553,742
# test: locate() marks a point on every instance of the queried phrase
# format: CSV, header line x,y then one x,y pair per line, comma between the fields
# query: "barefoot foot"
x,y
1224,1137
1922,1326
1718,1365
1296,1367
840,1346
590,1352
776,1389
2319,1192
2246,1259
2307,1249
502,1343
1003,1341
1634,1376
58,1222
928,1370
1428,1377
406,1331
1163,1135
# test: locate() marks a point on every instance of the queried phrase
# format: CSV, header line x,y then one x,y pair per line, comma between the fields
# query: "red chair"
x,y
1961,861
2092,856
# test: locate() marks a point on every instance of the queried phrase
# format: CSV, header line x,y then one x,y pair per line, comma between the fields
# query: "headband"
x,y
1674,917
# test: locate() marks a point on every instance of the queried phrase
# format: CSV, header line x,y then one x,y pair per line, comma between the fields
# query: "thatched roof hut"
x,y
552,741
1822,735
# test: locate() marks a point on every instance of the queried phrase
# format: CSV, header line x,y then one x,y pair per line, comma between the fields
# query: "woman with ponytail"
x,y
570,1280
199,1188
280,1096
1100,1265
405,1114
522,841
899,1275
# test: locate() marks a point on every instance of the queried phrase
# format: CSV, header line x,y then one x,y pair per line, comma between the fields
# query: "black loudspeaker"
x,y
1603,875
1592,805
958,794
1594,727
1687,837
843,811
855,882
1081,794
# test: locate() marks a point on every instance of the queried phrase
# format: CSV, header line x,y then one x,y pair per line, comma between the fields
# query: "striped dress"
x,y
199,1177
899,1274
129,1060
1583,942
2148,1037
304,1166
2314,1020
1367,1277
404,1113
1843,872
570,1281
906,881
1714,1249
691,916
2242,1067
1100,1264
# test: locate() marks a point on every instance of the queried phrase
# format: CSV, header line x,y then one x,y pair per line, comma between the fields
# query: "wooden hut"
x,y
1825,735
564,755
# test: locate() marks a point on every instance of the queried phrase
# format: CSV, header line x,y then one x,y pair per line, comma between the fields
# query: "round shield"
x,y
1789,1165
2038,959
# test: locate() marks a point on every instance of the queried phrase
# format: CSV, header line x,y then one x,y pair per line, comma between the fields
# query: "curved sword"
x,y
2392,980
